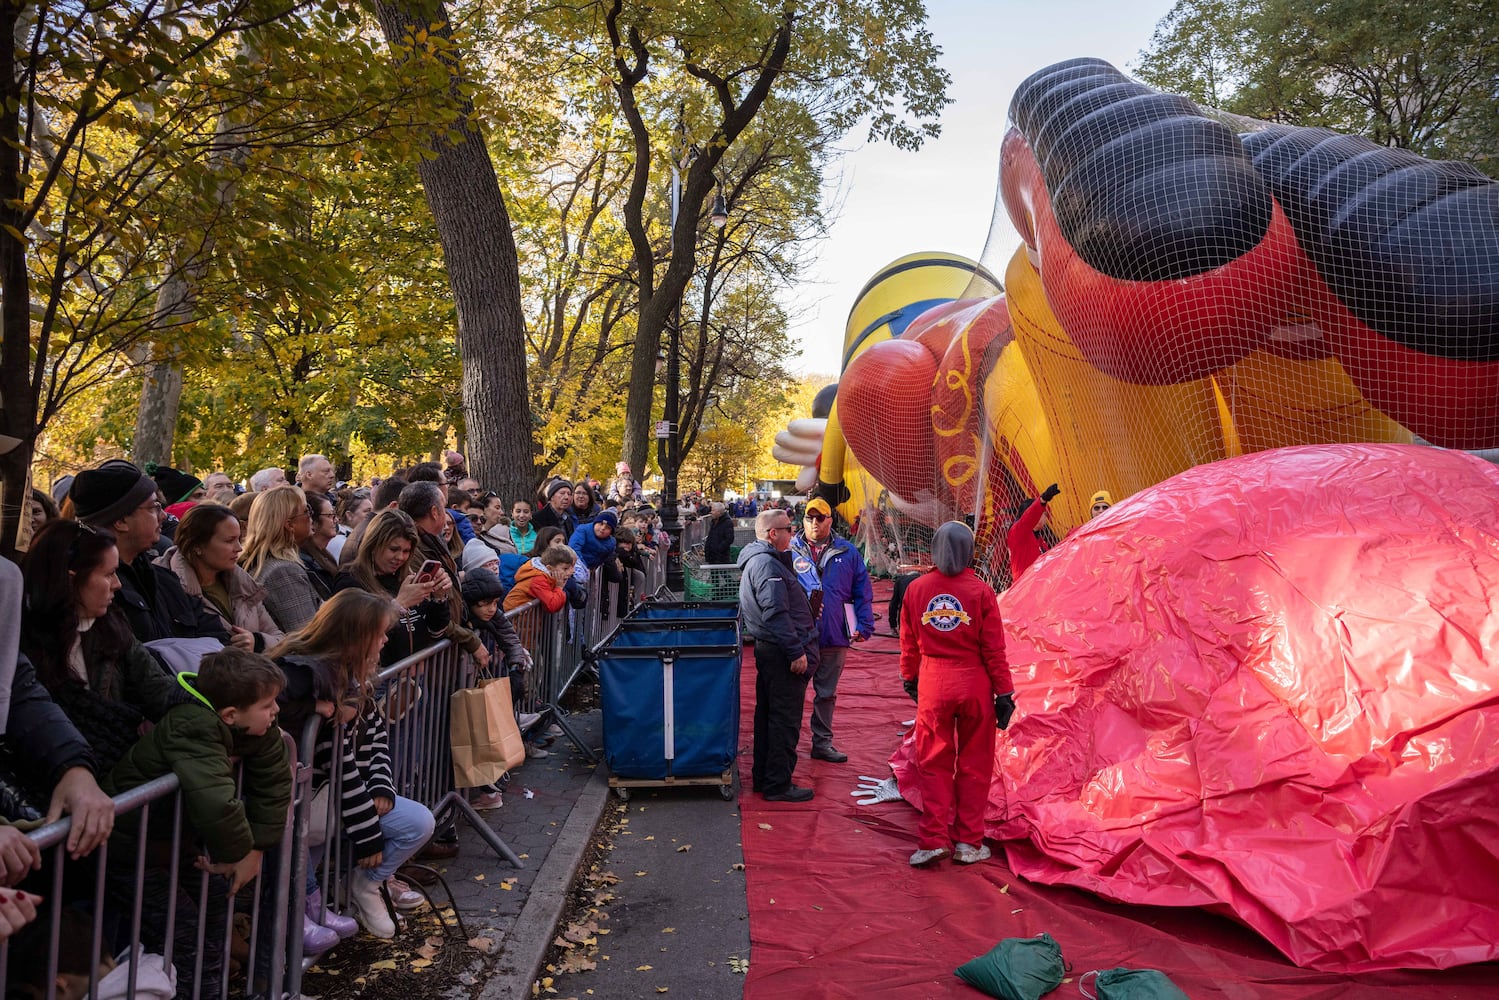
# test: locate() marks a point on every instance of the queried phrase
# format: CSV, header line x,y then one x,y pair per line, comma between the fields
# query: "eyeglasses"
x,y
1099,507
819,518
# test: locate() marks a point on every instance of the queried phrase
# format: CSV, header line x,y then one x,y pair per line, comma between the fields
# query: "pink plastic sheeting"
x,y
1267,686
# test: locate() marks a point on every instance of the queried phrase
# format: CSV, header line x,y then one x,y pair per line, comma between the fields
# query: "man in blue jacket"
x,y
777,616
832,573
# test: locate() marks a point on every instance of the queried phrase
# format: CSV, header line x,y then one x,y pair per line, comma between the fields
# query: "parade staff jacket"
x,y
840,574
951,625
773,605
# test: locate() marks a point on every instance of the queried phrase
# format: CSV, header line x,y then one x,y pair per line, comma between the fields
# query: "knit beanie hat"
x,y
608,517
175,486
481,585
104,495
476,554
1102,496
557,484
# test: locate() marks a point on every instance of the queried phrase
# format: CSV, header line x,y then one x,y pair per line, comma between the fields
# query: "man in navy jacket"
x,y
833,574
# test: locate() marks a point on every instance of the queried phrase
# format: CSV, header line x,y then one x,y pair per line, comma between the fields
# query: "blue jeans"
x,y
406,828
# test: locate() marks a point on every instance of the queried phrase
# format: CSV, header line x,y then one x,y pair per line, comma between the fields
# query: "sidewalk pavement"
x,y
551,809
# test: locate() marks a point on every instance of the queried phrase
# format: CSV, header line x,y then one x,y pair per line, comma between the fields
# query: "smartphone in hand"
x,y
428,572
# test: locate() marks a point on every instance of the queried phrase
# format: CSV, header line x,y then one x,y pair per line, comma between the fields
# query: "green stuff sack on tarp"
x,y
1017,968
1130,984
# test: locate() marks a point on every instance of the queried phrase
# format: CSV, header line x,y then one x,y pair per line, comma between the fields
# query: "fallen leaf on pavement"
x,y
668,930
739,866
420,963
641,874
385,964
484,944
684,847
642,968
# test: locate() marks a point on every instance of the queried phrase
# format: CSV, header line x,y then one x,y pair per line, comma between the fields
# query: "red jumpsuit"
x,y
1025,548
952,644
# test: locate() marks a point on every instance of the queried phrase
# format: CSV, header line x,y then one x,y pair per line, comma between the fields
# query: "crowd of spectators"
x,y
141,590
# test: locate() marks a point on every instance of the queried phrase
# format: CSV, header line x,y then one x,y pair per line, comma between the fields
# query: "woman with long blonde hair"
x,y
279,520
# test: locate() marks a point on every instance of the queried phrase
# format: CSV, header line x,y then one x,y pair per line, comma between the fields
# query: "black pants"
x,y
780,697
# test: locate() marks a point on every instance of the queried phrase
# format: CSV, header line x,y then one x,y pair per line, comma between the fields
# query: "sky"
x,y
942,196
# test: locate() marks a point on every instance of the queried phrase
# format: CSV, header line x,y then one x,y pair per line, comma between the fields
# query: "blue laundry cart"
x,y
669,689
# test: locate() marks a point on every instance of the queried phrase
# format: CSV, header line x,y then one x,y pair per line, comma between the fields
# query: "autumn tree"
x,y
1423,77
689,81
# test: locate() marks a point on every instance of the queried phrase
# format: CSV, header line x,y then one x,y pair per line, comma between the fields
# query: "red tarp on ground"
x,y
835,910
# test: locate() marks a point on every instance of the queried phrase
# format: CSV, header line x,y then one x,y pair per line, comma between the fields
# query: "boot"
x,y
316,938
369,906
344,927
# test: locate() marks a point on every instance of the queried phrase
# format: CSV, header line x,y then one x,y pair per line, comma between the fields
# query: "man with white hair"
x,y
315,474
266,479
779,619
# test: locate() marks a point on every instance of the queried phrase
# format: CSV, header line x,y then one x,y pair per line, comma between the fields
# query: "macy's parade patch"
x,y
945,613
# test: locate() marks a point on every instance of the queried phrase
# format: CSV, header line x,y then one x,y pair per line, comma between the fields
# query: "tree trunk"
x,y
463,194
17,394
161,390
156,416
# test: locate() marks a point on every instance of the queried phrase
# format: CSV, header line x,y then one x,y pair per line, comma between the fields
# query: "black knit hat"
x,y
104,495
481,585
555,485
175,486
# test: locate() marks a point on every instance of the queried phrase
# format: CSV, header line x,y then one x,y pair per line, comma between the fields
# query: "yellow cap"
x,y
1102,496
819,506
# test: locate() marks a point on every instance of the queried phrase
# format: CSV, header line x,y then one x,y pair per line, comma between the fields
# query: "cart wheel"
x,y
623,793
726,792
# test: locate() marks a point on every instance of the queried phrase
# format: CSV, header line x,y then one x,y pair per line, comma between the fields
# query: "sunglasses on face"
x,y
819,518
1100,507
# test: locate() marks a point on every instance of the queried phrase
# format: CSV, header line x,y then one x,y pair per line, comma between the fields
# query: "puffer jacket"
x,y
773,605
246,599
192,742
593,550
534,583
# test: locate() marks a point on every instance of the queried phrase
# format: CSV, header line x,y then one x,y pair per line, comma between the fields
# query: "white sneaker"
x,y
967,854
535,752
369,907
527,719
926,857
402,896
554,730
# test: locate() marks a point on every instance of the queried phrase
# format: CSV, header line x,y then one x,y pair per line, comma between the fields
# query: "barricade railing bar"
x,y
144,890
136,892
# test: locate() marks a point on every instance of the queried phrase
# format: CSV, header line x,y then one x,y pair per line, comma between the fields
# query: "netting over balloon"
x,y
1190,286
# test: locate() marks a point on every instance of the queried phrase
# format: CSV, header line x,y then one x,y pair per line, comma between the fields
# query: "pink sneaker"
x,y
489,800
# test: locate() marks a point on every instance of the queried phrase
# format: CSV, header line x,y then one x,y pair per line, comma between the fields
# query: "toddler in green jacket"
x,y
233,715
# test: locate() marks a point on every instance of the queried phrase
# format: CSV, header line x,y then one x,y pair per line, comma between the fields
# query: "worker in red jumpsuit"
x,y
1024,544
952,661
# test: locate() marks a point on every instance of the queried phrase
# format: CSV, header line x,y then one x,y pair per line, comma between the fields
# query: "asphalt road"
x,y
667,887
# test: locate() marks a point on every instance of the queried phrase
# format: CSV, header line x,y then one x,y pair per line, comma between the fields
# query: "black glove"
x,y
910,687
1004,707
1048,497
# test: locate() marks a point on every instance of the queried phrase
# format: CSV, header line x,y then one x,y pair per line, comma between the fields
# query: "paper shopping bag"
x,y
485,738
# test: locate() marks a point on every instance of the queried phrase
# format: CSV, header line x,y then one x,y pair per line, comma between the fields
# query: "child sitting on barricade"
x,y
232,715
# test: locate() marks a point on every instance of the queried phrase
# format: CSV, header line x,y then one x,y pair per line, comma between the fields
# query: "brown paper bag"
x,y
485,738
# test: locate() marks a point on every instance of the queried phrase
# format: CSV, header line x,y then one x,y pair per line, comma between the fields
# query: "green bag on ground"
x,y
1017,968
1130,984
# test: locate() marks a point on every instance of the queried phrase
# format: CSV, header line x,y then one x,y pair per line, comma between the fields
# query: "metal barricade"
x,y
415,699
153,895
